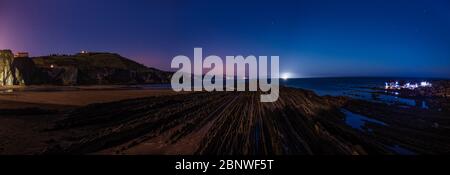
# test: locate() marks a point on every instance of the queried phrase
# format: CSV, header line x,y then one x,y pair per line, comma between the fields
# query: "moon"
x,y
285,76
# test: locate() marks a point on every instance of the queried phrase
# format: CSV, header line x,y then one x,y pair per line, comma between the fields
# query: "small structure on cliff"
x,y
21,55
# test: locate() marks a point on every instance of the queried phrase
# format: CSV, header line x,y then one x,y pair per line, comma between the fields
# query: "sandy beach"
x,y
74,96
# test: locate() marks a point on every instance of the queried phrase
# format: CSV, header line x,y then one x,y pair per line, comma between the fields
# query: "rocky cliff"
x,y
80,69
96,68
6,75
15,71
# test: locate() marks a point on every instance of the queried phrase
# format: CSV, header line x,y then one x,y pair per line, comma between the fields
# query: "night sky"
x,y
314,38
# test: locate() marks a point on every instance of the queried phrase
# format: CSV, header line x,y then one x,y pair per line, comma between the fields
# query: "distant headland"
x,y
84,68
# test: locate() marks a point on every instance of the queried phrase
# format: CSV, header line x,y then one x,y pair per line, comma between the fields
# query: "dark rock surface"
x,y
300,122
236,123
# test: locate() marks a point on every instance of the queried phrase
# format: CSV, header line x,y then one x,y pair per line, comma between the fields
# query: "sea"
x,y
370,88
363,88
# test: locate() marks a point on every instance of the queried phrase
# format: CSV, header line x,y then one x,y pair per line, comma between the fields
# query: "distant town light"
x,y
425,84
395,85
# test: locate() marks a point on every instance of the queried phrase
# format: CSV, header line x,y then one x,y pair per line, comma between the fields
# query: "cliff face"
x,y
25,71
81,69
6,75
15,71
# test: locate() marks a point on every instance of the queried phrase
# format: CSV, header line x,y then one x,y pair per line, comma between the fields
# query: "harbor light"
x,y
425,84
412,86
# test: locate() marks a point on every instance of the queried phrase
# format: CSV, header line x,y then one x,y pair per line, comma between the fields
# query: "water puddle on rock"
x,y
400,150
358,121
397,100
381,97
424,105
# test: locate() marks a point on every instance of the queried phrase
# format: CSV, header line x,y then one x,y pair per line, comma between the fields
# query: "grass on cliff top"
x,y
90,61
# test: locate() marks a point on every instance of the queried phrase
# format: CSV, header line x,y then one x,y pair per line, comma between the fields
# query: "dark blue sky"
x,y
312,37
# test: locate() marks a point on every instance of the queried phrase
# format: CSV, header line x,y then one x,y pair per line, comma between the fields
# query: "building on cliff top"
x,y
21,55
